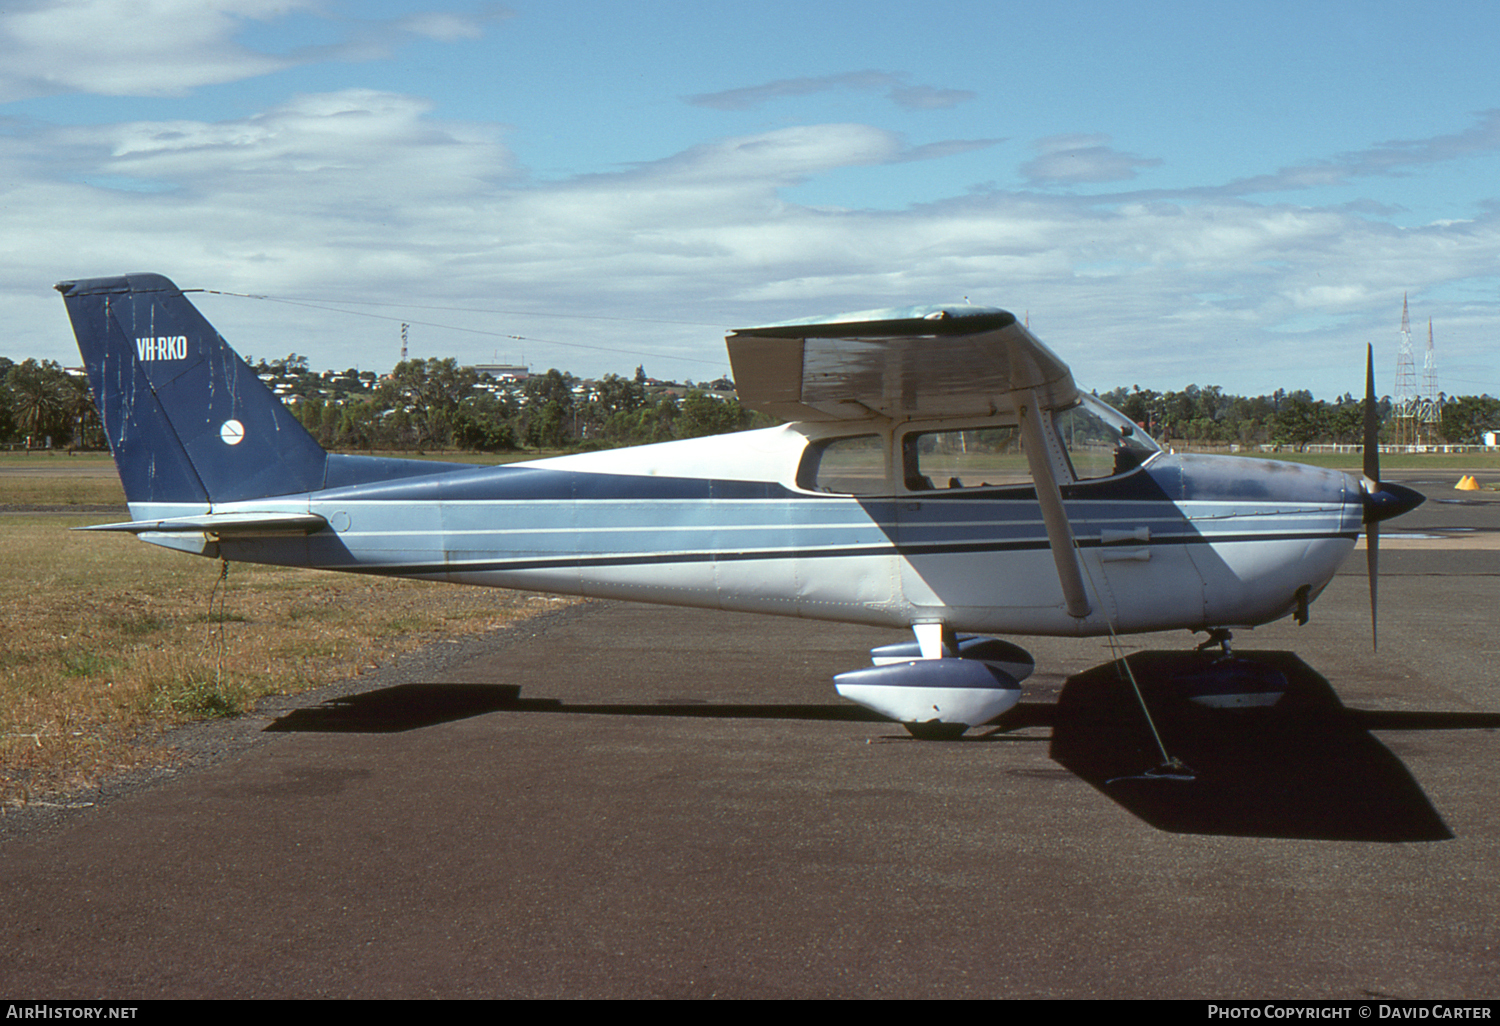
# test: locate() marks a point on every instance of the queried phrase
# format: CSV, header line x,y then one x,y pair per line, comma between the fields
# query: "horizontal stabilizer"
x,y
238,524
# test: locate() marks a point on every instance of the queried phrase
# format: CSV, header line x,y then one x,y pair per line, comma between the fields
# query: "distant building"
x,y
502,371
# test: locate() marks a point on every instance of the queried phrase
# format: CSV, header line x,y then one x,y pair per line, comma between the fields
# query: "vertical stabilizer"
x,y
187,420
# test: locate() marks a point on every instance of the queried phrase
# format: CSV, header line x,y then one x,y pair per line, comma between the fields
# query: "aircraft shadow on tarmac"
x,y
412,706
1303,767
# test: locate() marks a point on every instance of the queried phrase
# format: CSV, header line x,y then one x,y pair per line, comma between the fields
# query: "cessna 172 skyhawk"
x,y
939,470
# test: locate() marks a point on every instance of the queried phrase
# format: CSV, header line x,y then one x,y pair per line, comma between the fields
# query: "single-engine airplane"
x,y
938,470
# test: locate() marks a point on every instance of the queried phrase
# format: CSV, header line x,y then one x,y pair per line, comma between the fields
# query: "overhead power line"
x,y
633,353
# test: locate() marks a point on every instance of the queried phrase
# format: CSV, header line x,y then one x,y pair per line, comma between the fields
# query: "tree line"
x,y
438,404
421,405
1209,416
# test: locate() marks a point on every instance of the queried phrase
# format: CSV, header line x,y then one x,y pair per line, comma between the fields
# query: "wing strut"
x,y
1038,444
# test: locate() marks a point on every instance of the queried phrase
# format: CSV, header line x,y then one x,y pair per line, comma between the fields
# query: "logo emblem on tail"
x,y
232,432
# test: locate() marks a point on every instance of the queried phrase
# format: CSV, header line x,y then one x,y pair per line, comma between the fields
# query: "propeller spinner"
x,y
1381,499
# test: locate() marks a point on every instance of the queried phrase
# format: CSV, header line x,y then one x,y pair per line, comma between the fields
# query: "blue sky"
x,y
1231,194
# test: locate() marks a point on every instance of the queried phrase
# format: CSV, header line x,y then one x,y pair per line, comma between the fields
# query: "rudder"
x,y
187,420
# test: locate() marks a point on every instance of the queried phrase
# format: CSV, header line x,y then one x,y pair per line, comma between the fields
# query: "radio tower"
x,y
403,343
1431,416
1405,398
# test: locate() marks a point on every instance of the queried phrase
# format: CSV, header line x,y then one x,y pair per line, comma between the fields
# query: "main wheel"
x,y
932,730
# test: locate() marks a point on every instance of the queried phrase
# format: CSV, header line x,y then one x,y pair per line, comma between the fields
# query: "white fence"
x,y
1360,448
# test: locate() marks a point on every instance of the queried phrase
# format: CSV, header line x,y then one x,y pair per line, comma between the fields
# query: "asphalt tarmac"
x,y
628,801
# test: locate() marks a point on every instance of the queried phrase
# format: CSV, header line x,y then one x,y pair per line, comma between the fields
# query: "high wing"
x,y
924,362
927,362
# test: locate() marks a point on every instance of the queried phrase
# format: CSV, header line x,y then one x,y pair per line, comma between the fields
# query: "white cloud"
x,y
782,156
366,195
910,97
924,97
364,137
130,47
1070,159
443,26
171,47
1396,158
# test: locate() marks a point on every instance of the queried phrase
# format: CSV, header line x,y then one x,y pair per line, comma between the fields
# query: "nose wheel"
x,y
1220,636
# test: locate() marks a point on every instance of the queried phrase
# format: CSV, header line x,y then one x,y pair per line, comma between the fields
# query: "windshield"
x,y
1101,441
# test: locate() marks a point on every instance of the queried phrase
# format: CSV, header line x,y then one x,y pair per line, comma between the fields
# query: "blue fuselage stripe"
x,y
550,562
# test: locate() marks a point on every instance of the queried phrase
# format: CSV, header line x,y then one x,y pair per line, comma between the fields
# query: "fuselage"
x,y
741,522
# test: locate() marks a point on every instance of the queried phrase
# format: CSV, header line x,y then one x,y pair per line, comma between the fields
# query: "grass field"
x,y
109,641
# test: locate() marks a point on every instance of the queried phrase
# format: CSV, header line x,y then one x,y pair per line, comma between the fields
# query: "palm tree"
x,y
37,400
78,401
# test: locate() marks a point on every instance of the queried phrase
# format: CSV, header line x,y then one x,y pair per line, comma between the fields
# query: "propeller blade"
x,y
1381,501
1372,422
1372,486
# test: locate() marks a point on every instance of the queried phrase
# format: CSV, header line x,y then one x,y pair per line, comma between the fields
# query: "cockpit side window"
x,y
845,466
989,457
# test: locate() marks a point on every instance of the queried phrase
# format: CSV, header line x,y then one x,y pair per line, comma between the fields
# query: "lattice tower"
x,y
1431,414
1404,400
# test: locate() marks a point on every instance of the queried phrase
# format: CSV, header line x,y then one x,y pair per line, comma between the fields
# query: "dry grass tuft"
x,y
108,641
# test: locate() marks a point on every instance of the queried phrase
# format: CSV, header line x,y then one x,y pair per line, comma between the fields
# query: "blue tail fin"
x,y
187,420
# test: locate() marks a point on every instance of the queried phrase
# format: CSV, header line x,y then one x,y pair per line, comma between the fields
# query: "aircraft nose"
x,y
1385,500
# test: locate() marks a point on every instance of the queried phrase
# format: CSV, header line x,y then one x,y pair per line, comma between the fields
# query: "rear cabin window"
x,y
989,457
845,466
